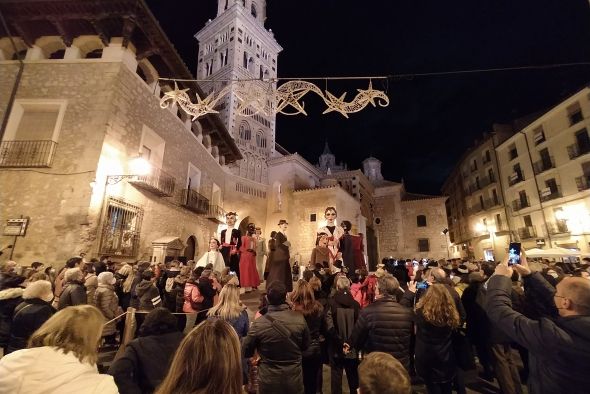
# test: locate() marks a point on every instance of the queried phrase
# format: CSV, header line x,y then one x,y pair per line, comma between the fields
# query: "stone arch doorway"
x,y
190,251
244,224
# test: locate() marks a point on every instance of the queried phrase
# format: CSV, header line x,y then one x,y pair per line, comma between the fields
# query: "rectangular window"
x,y
155,144
32,132
488,158
121,228
528,222
491,176
539,135
574,114
498,222
423,245
193,178
513,152
495,197
312,217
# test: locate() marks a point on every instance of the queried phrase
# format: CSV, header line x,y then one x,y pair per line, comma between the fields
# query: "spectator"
x,y
436,319
313,312
61,357
280,337
385,325
357,290
341,316
146,359
10,297
73,292
207,362
141,267
107,302
125,277
559,348
30,314
147,292
438,275
230,309
59,280
208,288
90,282
378,365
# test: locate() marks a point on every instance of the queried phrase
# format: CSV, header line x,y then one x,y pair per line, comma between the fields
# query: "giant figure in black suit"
x,y
230,244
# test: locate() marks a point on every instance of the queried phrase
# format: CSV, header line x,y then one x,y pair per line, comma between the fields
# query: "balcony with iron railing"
x,y
550,194
520,203
543,165
216,214
194,201
557,227
513,180
157,182
38,153
527,232
583,182
576,150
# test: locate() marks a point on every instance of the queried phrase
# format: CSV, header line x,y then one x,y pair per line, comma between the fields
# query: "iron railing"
x,y
557,227
552,195
38,153
157,182
520,203
216,214
121,228
544,165
514,180
194,201
527,232
583,182
577,150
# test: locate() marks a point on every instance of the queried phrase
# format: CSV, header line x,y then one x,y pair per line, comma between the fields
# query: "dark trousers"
x,y
439,388
485,357
311,367
231,260
348,365
506,369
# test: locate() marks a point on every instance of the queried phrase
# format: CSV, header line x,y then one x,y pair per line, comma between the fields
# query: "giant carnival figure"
x,y
231,241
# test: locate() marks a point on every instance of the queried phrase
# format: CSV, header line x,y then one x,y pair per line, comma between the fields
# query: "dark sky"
x,y
431,120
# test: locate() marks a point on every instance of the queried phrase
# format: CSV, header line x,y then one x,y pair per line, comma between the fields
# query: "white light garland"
x,y
267,99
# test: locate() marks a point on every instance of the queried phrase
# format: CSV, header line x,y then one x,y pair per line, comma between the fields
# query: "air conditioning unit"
x,y
513,176
538,137
546,192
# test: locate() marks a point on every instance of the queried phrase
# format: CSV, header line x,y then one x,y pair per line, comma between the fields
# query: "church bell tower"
x,y
236,46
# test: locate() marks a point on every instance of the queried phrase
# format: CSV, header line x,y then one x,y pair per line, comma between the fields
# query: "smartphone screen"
x,y
422,285
514,253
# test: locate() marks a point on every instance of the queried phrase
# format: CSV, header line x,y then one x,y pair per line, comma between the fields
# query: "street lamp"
x,y
445,233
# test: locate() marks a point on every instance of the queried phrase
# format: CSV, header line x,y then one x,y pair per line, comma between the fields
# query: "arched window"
x,y
94,54
245,132
260,139
421,220
253,10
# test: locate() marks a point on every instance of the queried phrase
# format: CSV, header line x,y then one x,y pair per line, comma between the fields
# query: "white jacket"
x,y
47,370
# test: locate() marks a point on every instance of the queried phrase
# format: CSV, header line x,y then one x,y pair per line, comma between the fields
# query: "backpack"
x,y
169,285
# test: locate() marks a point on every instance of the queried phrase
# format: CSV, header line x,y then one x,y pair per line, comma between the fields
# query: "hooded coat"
x,y
107,301
148,295
72,294
559,348
341,315
9,299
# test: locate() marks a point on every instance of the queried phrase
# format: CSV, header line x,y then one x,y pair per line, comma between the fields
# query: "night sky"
x,y
431,120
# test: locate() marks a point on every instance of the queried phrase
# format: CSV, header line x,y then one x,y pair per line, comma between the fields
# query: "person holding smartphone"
x,y
559,348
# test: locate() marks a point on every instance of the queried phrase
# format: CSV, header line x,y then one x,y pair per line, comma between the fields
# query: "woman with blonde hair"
x,y
436,319
304,302
207,361
230,309
61,357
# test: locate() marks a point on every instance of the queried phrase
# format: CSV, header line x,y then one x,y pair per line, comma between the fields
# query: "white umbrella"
x,y
536,252
552,252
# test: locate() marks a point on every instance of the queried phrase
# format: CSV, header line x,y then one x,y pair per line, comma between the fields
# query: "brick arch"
x,y
50,44
87,44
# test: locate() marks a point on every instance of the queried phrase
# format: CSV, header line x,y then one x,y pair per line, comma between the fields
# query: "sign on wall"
x,y
16,227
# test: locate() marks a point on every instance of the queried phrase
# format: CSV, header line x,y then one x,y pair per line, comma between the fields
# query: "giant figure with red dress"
x,y
248,271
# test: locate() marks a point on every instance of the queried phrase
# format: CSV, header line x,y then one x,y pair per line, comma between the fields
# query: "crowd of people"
x,y
407,322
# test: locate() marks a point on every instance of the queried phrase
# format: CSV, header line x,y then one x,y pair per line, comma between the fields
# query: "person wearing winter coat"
x,y
59,282
385,325
141,267
146,359
559,348
279,337
147,292
90,282
208,287
61,357
73,292
30,314
107,302
341,315
10,297
436,318
230,309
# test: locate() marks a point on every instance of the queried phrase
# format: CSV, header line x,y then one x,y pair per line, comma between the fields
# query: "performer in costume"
x,y
272,246
334,234
249,275
213,257
321,254
359,252
260,252
231,240
279,268
352,249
